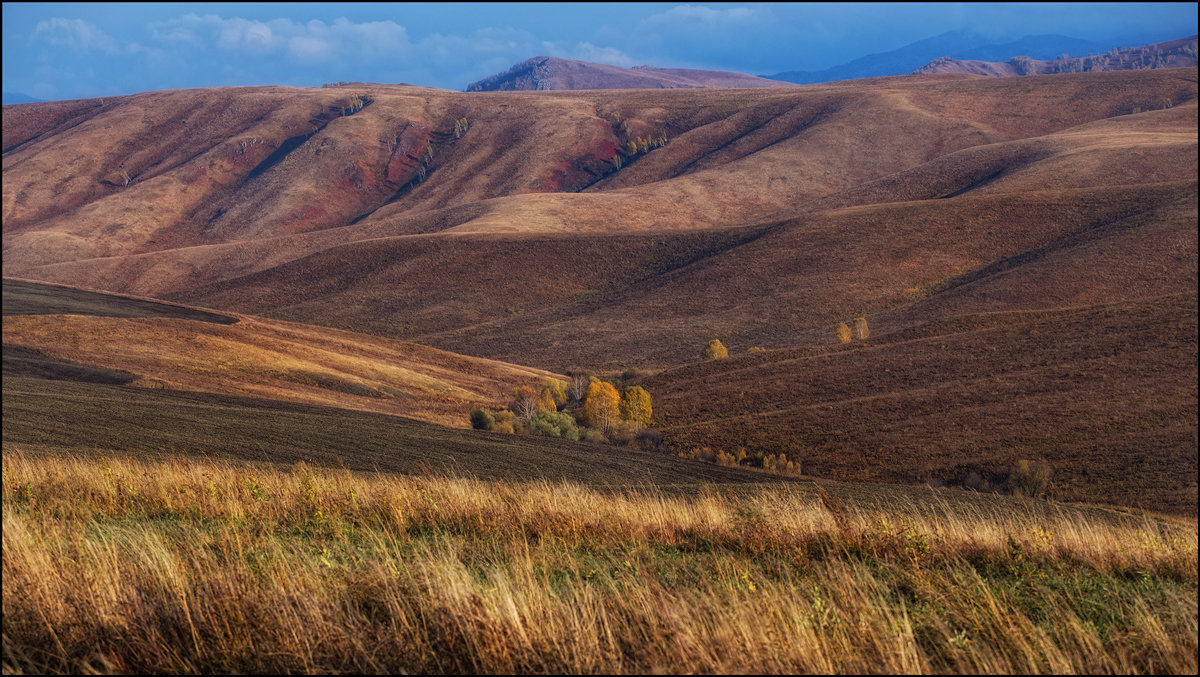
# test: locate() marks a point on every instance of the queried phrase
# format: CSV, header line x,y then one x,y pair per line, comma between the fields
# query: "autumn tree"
x,y
715,350
526,401
635,406
842,332
861,331
601,404
554,395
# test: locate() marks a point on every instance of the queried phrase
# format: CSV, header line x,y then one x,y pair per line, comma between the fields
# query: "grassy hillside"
x,y
164,346
187,565
25,297
1105,394
399,217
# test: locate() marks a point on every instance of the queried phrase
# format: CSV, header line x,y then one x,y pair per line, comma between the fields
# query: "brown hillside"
x,y
768,213
166,348
543,73
238,167
1171,54
1106,394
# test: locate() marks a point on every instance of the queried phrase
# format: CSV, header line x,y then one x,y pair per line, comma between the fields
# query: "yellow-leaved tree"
x,y
842,332
601,404
715,350
554,395
635,406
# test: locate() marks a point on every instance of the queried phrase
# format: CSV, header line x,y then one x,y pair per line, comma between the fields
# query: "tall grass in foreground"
x,y
120,565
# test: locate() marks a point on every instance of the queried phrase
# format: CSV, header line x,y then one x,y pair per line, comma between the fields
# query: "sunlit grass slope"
x,y
185,348
196,566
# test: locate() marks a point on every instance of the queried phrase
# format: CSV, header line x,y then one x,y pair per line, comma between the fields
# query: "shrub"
x,y
842,332
505,421
482,419
756,349
649,440
779,463
592,435
1029,478
554,424
715,350
622,433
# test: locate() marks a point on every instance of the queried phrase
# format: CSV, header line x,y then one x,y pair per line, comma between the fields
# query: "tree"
x,y
578,385
526,402
601,404
715,350
635,406
554,395
842,332
861,331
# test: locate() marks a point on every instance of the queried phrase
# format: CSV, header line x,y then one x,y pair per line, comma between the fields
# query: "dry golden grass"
x,y
120,565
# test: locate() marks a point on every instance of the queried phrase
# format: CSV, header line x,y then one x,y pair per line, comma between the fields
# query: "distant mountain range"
x,y
8,98
549,73
961,44
1172,54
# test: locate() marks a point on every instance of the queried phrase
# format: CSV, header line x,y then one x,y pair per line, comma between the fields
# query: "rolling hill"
x,y
498,224
1023,249
65,334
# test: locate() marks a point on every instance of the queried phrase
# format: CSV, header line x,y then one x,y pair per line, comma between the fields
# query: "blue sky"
x,y
73,50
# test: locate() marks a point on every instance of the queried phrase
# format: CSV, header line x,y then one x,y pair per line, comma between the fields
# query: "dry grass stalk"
x,y
121,565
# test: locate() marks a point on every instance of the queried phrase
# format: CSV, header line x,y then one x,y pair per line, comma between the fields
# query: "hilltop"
x,y
1171,54
543,73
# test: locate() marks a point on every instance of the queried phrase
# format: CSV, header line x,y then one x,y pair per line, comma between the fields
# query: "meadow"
x,y
118,564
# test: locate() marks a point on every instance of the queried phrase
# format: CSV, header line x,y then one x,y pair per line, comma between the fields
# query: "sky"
x,y
76,50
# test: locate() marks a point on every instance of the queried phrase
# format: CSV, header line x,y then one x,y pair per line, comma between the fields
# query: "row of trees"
x,y
586,408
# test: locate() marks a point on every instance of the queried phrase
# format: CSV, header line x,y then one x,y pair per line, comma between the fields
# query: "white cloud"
x,y
305,48
75,33
586,51
309,42
694,14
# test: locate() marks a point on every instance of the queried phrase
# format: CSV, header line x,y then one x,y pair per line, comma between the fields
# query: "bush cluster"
x,y
587,409
778,463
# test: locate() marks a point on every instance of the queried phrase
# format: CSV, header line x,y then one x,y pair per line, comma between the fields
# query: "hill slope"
x,y
1106,394
498,224
61,332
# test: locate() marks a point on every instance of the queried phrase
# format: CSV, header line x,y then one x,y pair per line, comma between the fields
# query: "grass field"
x,y
186,565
